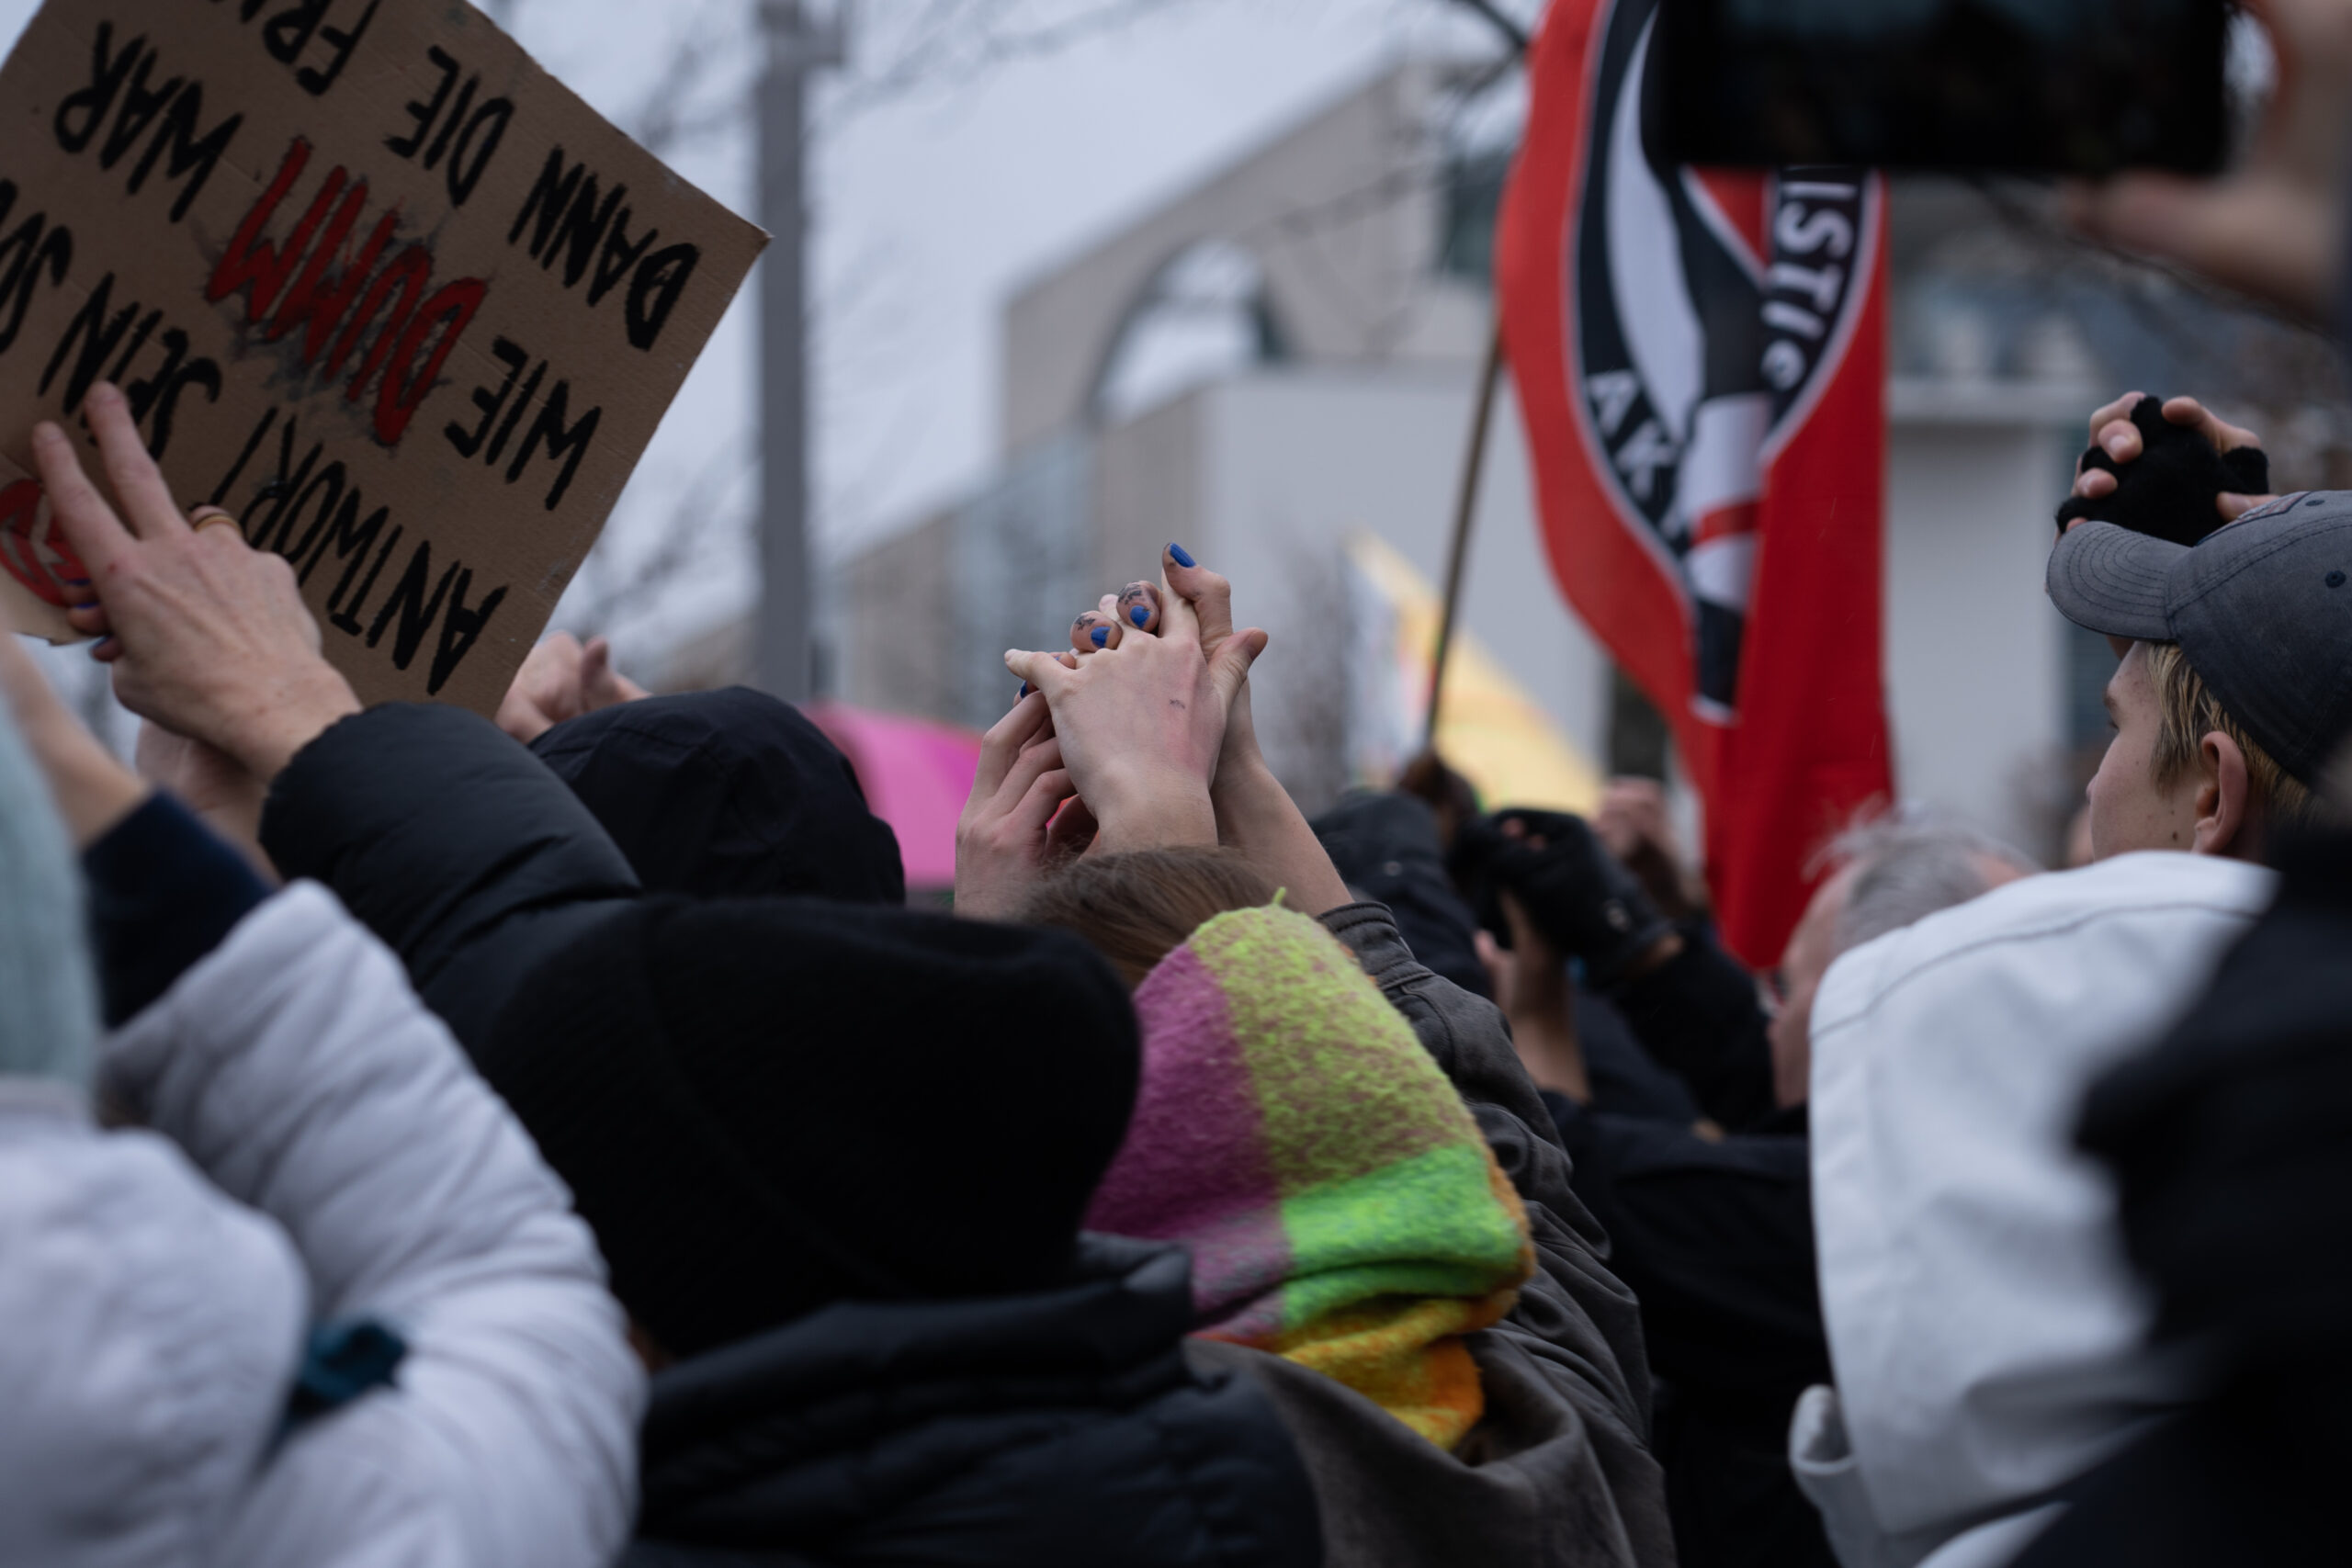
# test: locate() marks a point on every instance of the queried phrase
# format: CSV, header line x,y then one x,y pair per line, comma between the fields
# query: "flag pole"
x,y
1466,510
1474,462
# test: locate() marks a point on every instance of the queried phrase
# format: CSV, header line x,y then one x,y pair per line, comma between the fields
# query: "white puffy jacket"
x,y
1985,1327
319,1150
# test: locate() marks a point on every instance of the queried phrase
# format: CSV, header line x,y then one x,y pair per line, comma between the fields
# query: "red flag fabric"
x,y
1700,363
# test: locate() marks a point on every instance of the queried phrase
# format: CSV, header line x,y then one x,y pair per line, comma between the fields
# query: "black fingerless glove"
x,y
1578,895
2169,493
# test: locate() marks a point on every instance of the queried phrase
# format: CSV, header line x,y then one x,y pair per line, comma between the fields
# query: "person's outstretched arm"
x,y
300,1073
2274,227
451,842
446,837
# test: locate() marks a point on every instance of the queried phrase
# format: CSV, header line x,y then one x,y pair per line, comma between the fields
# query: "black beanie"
x,y
2169,493
727,795
764,1106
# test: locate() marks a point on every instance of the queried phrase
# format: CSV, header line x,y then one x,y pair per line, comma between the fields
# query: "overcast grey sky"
x,y
933,202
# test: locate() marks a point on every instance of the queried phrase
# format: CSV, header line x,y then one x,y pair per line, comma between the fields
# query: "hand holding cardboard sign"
x,y
387,292
209,637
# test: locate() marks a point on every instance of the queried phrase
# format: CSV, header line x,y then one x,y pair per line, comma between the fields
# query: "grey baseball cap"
x,y
2262,609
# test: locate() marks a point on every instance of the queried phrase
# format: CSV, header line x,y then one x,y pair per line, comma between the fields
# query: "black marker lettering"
x,y
416,612
97,337
468,443
81,113
350,538
550,428
476,145
460,628
347,618
426,114
654,295
506,430
450,127
30,247
220,496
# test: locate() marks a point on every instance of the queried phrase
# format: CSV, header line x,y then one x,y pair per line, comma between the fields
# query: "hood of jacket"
x,y
1985,1328
1061,1427
727,795
149,1331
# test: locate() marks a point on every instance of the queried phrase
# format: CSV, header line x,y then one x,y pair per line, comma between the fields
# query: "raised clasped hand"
x,y
1144,723
1022,817
1140,714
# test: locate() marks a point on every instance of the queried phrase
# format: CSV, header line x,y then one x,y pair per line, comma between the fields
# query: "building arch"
x,y
1205,314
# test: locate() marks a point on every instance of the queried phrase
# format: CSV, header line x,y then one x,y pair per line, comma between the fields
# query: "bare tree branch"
x,y
1512,33
951,43
620,589
667,117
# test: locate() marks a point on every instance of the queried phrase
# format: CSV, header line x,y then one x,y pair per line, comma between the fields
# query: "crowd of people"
x,y
555,1141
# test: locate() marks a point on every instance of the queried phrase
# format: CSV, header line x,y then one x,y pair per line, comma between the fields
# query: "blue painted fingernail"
x,y
1102,635
1022,693
1178,554
1140,614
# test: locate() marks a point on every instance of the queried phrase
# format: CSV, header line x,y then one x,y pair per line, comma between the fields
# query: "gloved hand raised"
x,y
1584,901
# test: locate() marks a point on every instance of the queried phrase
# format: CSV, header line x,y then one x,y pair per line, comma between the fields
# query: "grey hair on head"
x,y
1912,864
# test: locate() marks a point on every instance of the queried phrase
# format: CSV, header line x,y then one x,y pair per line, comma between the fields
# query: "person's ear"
x,y
2225,802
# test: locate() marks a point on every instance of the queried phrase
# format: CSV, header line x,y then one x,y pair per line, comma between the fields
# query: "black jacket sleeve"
x,y
1471,1043
1386,845
164,893
1698,1014
1574,1342
452,843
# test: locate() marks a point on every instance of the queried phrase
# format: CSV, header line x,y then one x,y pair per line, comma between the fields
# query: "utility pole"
x,y
796,44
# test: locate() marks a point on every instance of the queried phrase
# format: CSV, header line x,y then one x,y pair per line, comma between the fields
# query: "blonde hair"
x,y
2187,712
1139,906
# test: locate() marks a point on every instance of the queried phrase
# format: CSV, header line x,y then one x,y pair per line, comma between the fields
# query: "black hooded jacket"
x,y
1066,1430
475,863
452,843
1066,1425
727,795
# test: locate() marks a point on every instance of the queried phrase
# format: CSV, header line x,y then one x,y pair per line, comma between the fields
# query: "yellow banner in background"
x,y
1491,731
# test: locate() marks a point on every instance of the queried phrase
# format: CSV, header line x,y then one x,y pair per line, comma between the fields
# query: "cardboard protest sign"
x,y
373,281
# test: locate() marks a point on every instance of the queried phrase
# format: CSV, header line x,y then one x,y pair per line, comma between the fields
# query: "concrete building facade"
x,y
1286,355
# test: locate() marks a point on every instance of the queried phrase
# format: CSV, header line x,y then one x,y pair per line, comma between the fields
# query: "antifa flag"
x,y
1700,362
